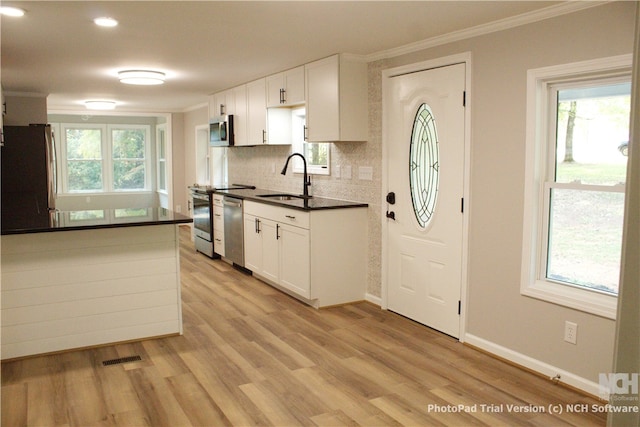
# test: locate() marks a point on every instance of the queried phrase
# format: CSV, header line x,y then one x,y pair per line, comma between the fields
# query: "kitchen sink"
x,y
281,196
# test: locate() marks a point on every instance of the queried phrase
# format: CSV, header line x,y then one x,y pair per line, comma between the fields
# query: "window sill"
x,y
568,296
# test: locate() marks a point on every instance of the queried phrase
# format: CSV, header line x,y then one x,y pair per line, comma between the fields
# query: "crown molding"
x,y
491,27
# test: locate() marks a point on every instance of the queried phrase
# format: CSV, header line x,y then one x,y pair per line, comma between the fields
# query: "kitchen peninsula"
x,y
85,278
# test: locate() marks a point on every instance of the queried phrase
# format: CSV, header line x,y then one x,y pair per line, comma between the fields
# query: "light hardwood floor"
x,y
251,356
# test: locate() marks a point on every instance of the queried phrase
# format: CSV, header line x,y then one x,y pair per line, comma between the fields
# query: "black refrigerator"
x,y
28,176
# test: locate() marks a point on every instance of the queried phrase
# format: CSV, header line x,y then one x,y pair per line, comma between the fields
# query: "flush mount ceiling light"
x,y
141,77
105,21
100,105
11,11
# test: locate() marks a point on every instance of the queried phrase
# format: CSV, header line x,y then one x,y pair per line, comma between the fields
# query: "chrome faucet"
x,y
307,181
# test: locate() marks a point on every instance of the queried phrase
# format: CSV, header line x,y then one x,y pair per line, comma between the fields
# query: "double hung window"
x,y
577,141
105,158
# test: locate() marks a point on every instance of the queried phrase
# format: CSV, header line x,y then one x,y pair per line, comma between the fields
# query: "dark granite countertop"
x,y
310,204
91,219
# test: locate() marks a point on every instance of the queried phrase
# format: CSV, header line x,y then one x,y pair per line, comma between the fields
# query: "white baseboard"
x,y
373,299
543,368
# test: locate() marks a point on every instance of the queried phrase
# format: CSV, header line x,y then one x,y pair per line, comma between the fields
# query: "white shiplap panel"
x,y
85,324
62,240
87,290
80,273
10,351
89,307
86,256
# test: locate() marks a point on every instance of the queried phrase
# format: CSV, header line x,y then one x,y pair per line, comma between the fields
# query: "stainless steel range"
x,y
201,197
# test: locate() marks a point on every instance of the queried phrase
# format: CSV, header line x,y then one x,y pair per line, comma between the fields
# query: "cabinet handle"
x,y
264,136
222,109
290,216
277,231
304,132
283,99
257,226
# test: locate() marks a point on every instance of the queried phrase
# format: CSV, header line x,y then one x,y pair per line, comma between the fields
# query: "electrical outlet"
x,y
571,332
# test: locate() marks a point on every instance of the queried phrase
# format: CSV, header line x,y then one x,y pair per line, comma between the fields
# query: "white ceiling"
x,y
208,46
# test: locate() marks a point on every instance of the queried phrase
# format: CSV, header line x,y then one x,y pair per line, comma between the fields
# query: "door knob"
x,y
391,198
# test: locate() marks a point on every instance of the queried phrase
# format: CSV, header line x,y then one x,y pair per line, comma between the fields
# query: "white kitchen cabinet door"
x,y
294,260
252,244
286,89
256,113
221,104
336,99
240,115
270,250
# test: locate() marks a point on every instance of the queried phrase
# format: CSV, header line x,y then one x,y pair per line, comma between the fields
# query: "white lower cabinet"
x,y
317,256
277,252
218,225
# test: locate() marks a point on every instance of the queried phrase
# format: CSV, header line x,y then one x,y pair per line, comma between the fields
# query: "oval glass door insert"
x,y
423,165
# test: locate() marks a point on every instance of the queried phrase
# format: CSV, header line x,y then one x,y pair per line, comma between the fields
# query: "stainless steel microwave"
x,y
221,131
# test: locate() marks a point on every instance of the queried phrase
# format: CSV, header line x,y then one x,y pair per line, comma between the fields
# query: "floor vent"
x,y
121,360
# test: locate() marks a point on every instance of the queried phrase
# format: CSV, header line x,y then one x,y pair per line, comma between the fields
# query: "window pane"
x,y
128,175
424,165
84,144
128,159
128,143
162,175
84,175
593,133
585,238
316,153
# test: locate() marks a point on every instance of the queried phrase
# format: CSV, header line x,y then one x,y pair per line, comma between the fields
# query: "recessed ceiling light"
x,y
11,11
141,77
105,21
100,105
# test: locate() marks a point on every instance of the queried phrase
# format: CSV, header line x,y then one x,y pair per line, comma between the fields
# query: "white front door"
x,y
424,130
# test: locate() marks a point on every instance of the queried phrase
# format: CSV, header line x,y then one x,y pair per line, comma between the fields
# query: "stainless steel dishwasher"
x,y
233,230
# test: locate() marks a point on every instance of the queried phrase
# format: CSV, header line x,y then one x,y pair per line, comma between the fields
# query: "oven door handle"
x,y
200,197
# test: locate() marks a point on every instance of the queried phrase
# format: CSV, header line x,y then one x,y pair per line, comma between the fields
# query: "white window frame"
x,y
161,161
539,149
107,157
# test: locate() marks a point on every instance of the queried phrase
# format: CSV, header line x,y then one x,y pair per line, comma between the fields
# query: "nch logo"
x,y
619,383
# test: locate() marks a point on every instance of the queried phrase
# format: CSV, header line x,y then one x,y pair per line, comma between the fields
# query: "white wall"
x,y
192,118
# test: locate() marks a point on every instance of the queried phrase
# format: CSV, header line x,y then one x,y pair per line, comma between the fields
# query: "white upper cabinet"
x,y
286,89
257,112
336,99
222,103
240,116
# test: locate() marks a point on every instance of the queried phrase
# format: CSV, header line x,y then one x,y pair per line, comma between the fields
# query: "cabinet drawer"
x,y
275,213
218,219
217,200
218,242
